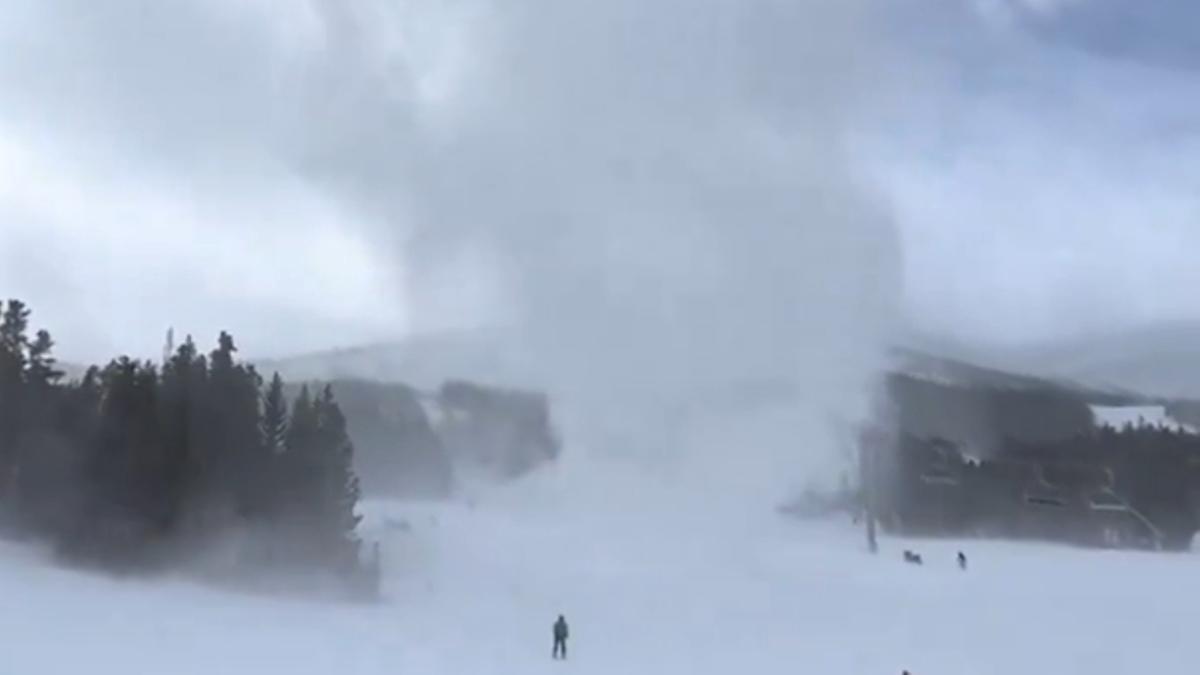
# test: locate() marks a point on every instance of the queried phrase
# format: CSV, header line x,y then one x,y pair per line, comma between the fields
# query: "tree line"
x,y
138,465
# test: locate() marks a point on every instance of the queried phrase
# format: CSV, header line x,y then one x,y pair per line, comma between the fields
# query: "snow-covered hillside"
x,y
1141,415
652,580
1155,359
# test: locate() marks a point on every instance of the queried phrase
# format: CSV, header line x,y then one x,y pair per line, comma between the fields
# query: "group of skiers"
x,y
916,559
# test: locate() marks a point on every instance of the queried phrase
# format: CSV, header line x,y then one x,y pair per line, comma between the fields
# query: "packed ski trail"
x,y
651,581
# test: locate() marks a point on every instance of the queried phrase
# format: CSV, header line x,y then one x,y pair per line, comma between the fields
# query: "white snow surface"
x,y
1152,415
654,578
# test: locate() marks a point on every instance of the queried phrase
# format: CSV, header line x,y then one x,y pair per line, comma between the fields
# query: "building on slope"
x,y
987,453
1133,488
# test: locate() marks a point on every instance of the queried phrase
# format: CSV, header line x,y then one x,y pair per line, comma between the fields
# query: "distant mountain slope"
x,y
932,396
923,365
424,362
981,408
1161,359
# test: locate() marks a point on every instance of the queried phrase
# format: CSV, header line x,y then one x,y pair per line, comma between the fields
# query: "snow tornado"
x,y
648,210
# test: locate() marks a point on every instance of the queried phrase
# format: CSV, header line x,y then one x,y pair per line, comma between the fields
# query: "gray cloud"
x,y
1159,33
1044,189
151,146
379,118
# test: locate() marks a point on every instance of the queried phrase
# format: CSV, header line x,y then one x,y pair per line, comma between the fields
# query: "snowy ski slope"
x,y
652,582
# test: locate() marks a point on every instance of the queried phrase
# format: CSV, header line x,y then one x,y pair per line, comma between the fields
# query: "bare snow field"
x,y
658,585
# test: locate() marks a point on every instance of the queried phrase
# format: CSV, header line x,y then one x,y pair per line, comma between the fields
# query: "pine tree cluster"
x,y
136,466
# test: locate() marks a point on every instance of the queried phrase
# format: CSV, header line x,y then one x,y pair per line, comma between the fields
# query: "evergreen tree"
x,y
295,466
40,371
304,422
57,480
274,417
239,463
337,487
29,401
274,433
181,399
41,397
14,323
319,488
14,326
132,457
127,502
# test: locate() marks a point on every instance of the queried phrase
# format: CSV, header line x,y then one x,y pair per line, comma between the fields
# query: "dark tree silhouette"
x,y
337,486
133,466
274,418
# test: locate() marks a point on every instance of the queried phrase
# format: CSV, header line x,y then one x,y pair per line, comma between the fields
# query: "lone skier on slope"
x,y
561,633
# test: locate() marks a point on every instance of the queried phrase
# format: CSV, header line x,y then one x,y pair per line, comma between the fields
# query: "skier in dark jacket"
x,y
561,633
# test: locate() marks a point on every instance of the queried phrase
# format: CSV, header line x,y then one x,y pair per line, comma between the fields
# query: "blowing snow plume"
x,y
647,209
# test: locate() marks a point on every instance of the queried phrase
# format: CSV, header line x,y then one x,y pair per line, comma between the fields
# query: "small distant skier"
x,y
561,633
962,561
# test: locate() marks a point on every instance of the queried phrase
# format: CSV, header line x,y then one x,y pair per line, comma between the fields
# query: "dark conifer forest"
x,y
138,466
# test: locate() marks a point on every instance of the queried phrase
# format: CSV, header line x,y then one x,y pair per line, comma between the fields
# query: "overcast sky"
x,y
235,164
1048,182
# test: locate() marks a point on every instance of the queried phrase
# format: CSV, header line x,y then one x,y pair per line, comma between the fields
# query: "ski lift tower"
x,y
872,441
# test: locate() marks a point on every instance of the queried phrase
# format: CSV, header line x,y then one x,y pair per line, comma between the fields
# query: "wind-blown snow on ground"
x,y
656,585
